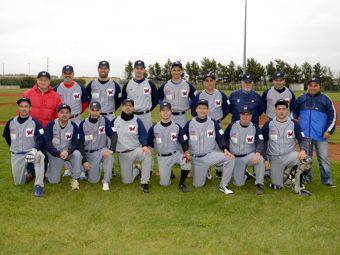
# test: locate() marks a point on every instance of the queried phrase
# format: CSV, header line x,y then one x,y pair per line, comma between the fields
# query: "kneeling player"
x,y
132,145
93,145
24,136
203,133
168,138
245,142
280,135
61,139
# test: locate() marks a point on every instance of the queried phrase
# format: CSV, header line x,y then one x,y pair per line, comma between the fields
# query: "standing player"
x,y
143,92
246,96
24,136
93,145
105,91
218,101
202,133
178,93
275,93
280,135
317,117
166,137
132,145
72,94
61,139
245,142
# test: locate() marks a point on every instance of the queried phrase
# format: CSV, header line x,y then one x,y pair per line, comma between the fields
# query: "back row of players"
x,y
200,141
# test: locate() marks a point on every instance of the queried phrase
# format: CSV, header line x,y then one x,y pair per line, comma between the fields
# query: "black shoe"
x,y
273,186
183,188
173,176
218,174
259,189
145,188
304,192
330,185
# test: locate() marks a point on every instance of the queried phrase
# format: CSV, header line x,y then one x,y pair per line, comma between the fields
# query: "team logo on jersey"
x,y
210,133
29,132
109,92
101,130
146,91
76,96
68,136
249,139
290,133
173,136
218,102
184,93
132,128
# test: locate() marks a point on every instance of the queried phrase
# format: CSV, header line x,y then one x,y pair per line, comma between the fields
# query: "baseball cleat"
x,y
273,186
74,184
259,189
106,186
331,185
304,192
82,176
67,173
184,188
145,188
226,190
38,191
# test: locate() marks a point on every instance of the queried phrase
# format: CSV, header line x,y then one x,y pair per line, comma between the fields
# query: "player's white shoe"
x,y
106,186
67,173
74,184
82,176
226,190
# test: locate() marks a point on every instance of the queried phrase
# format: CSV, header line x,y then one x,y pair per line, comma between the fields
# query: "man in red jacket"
x,y
44,99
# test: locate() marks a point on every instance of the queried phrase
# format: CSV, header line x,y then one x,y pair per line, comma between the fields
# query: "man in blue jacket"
x,y
317,117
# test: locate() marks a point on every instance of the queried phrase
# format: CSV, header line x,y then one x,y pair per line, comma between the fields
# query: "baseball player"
x,y
132,145
143,92
93,145
202,133
280,135
246,96
245,142
218,101
24,136
178,93
74,95
61,143
105,91
166,137
275,93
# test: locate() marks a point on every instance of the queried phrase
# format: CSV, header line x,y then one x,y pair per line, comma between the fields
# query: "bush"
x,y
9,81
27,82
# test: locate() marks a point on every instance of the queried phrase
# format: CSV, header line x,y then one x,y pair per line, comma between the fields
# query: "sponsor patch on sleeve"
x,y
302,134
185,137
41,131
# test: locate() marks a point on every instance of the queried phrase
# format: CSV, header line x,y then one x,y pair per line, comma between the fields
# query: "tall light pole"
x,y
29,68
245,39
47,64
3,69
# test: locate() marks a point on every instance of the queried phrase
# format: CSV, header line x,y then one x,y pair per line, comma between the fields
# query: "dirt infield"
x,y
8,104
16,95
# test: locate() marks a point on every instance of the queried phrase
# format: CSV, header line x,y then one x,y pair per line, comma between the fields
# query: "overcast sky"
x,y
81,33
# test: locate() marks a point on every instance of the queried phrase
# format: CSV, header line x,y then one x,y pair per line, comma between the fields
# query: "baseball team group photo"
x,y
182,155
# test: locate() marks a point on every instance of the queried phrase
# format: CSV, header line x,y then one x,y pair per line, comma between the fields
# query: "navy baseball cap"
x,y
139,63
67,69
128,100
95,105
24,99
44,74
278,75
64,106
177,63
203,102
104,64
281,102
246,109
247,78
165,105
316,80
210,74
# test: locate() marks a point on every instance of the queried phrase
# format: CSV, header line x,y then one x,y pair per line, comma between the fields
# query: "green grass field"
x,y
166,221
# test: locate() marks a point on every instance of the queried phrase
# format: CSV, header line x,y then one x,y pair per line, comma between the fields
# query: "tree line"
x,y
232,73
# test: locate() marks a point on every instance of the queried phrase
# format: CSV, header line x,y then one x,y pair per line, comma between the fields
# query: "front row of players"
x,y
201,143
